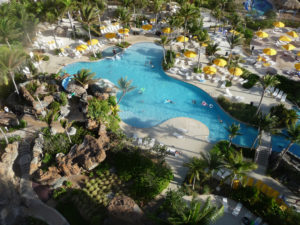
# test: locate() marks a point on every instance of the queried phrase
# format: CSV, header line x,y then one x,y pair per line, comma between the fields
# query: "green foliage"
x,y
197,70
59,192
55,106
98,110
31,87
63,98
68,184
34,221
123,44
46,58
222,145
170,58
146,177
228,83
241,111
10,140
84,77
98,56
290,87
285,116
251,77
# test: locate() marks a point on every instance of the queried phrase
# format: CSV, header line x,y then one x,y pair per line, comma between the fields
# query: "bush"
x,y
55,106
46,58
241,111
228,83
63,98
10,140
58,192
285,116
196,70
170,58
31,87
247,152
98,56
123,44
251,77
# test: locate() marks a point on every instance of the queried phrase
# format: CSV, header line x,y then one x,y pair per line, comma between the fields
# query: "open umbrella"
x,y
270,51
110,35
81,47
293,34
182,39
92,42
297,66
288,47
115,24
234,32
123,31
298,54
102,27
261,34
279,24
235,71
147,27
167,30
190,54
285,38
152,20
209,70
204,45
220,62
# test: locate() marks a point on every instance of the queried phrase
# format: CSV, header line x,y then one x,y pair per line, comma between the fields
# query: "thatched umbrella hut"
x,y
288,4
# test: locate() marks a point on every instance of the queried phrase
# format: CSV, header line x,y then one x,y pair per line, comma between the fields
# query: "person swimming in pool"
x,y
169,101
194,102
151,64
114,51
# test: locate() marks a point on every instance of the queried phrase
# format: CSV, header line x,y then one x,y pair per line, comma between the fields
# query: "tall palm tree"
x,y
195,167
8,30
202,37
10,61
88,17
84,77
233,131
188,11
267,123
237,165
125,86
293,136
157,8
124,16
163,42
265,82
195,214
211,162
68,6
101,6
235,20
233,41
211,49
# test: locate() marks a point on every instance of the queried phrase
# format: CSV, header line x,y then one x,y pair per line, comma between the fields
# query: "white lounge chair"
x,y
182,130
140,141
225,204
134,136
179,136
228,93
283,97
279,94
270,90
275,93
236,211
151,143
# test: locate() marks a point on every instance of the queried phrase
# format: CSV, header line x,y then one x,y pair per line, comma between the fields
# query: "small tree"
x,y
233,131
163,42
124,86
84,77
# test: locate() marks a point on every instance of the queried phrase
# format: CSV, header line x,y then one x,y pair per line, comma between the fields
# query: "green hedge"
x,y
241,111
291,87
251,77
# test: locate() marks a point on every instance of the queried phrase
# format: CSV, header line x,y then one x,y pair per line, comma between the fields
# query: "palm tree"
x,y
188,11
67,125
125,87
157,7
124,16
238,167
195,214
211,162
218,14
233,131
88,17
195,167
265,82
4,135
293,136
202,37
101,6
68,6
211,50
163,42
10,61
233,41
8,30
84,77
267,123
235,20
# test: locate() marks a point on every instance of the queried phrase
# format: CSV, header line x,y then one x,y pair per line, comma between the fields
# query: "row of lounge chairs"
x,y
276,93
228,94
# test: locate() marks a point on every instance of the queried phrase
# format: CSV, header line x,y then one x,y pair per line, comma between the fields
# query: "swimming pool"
x,y
260,6
109,52
149,108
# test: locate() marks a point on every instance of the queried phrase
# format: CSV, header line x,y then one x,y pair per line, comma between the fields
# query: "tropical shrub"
x,y
228,83
291,88
247,152
10,140
170,58
123,44
241,111
285,116
251,77
63,98
46,58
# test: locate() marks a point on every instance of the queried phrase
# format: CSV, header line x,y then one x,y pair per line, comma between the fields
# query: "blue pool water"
x,y
261,6
108,52
149,108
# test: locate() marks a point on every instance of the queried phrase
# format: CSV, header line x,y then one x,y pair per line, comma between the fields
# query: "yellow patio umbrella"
x,y
288,47
123,31
110,35
182,39
102,27
204,44
178,54
298,54
270,51
81,47
190,54
209,70
267,64
147,27
234,32
220,62
92,42
261,34
235,71
285,38
167,30
115,24
152,20
278,24
297,66
61,49
259,58
293,34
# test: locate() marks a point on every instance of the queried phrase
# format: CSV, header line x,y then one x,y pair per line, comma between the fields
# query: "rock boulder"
x,y
8,119
74,88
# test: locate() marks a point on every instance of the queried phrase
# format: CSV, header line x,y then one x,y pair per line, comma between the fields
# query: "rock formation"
x,y
37,153
8,119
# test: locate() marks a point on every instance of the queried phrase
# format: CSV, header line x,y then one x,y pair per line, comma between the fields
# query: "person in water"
x,y
169,101
194,102
114,51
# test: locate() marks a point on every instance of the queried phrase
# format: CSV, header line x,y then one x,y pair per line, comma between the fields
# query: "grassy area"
x,y
291,87
241,111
